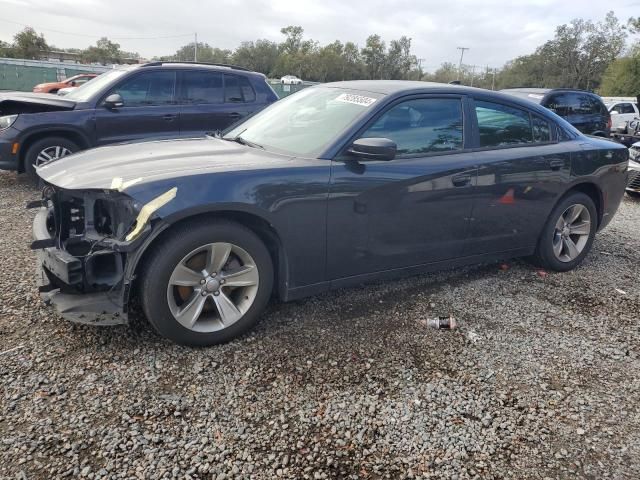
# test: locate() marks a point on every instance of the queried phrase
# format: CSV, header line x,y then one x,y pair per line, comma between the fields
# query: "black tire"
x,y
633,194
544,255
31,157
158,267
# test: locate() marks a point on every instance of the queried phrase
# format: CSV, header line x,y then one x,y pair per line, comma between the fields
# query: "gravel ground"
x,y
539,381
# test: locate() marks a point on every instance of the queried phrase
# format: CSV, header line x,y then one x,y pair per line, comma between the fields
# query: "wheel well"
x,y
31,139
256,224
594,193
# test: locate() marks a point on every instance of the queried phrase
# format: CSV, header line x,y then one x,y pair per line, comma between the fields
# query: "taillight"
x,y
609,123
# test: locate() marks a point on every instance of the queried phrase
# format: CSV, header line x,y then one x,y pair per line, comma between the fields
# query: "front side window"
x,y
626,108
149,88
306,122
500,125
421,126
93,89
202,87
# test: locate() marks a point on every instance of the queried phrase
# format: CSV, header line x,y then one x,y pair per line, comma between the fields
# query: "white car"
x,y
63,91
290,80
622,112
633,184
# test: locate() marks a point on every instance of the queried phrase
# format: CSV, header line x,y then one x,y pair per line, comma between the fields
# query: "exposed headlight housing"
x,y
7,120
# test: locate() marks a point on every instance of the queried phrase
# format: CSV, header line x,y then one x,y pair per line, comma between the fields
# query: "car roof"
x,y
197,65
399,87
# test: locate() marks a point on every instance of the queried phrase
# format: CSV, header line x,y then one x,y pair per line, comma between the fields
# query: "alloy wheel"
x,y
51,153
571,234
212,287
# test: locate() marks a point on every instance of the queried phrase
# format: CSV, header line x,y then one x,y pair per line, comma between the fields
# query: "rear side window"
x,y
421,126
232,90
573,103
541,130
500,125
149,88
202,87
247,90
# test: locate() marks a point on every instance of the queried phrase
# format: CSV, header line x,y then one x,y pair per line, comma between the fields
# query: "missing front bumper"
x,y
53,266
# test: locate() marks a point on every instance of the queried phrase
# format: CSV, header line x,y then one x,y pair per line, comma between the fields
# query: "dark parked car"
x,y
583,110
335,185
154,100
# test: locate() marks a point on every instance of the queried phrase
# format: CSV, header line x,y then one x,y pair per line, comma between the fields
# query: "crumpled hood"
x,y
121,166
30,101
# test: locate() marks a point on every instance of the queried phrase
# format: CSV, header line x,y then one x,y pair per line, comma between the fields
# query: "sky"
x,y
494,30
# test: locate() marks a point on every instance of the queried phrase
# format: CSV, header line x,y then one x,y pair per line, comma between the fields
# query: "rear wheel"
x,y
568,234
47,150
207,283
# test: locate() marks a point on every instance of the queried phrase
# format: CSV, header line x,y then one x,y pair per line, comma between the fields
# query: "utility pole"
x,y
420,60
473,71
493,82
195,48
462,49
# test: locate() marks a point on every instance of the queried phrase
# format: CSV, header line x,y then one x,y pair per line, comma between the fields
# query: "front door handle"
x,y
235,115
170,117
556,165
461,180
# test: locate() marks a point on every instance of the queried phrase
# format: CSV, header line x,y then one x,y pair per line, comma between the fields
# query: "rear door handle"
x,y
235,115
461,180
170,117
556,165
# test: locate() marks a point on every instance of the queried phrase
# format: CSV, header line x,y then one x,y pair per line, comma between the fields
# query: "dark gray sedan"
x,y
335,185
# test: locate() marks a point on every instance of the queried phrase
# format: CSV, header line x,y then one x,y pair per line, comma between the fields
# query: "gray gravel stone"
x,y
349,384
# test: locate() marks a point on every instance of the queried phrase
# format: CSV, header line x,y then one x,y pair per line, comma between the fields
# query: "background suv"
x,y
583,110
154,100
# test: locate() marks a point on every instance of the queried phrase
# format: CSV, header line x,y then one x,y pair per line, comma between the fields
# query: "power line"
x,y
94,36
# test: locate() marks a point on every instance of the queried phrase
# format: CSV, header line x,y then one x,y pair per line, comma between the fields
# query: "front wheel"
x,y
568,234
207,283
47,150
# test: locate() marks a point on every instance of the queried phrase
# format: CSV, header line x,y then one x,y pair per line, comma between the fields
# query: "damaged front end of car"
x,y
88,242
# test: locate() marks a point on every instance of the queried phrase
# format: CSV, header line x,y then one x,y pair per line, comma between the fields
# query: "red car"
x,y
72,82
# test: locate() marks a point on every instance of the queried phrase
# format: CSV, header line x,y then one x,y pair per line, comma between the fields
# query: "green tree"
x,y
104,51
576,57
28,44
374,57
622,77
6,50
260,56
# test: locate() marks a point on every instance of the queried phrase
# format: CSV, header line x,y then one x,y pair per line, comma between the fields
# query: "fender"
x,y
228,209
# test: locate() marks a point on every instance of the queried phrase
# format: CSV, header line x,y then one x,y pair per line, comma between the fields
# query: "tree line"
x,y
309,60
583,54
28,44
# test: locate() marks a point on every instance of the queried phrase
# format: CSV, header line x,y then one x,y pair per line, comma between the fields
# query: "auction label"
x,y
355,99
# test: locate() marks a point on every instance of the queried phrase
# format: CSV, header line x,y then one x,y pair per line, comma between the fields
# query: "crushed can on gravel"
x,y
442,323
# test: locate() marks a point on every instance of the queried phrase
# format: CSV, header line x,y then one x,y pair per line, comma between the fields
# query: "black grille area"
x,y
634,180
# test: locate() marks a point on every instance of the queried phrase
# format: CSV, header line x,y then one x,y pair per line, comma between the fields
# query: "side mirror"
x,y
373,149
73,84
113,101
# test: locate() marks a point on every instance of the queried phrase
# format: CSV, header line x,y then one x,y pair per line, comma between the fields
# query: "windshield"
x,y
85,92
306,122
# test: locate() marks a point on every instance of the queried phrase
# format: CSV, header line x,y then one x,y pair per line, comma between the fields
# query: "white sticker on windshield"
x,y
535,95
355,99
